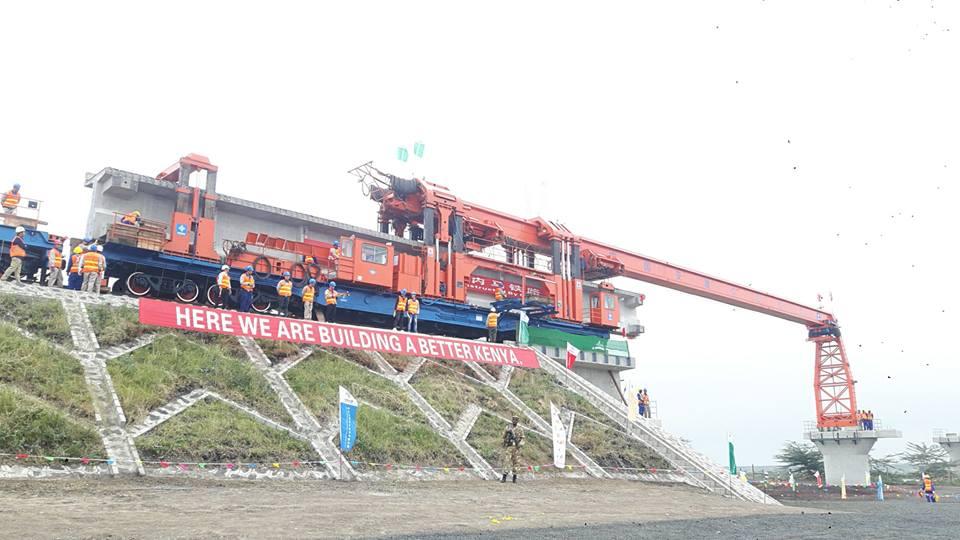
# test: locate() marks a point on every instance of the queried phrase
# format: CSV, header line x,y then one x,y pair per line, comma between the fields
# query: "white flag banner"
x,y
559,438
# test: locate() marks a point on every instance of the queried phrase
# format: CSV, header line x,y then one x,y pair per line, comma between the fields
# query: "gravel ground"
x,y
841,520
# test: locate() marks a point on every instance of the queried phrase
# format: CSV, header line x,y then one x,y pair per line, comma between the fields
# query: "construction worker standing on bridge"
x,y
223,288
308,294
18,250
492,319
247,284
74,277
413,312
132,218
285,291
334,256
11,200
512,441
400,311
55,265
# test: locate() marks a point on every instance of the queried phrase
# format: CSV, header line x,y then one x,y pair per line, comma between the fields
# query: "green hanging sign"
x,y
402,154
418,149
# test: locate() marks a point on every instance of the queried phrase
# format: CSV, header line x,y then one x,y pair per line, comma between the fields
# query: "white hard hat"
x,y
492,308
100,249
20,229
224,267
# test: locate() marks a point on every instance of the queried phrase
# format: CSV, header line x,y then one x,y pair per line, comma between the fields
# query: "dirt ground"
x,y
168,508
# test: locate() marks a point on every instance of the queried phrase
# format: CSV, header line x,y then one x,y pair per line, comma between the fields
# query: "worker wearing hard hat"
x,y
92,265
400,311
18,250
222,287
74,277
492,318
285,291
132,218
55,265
927,488
11,200
413,312
307,295
247,284
335,254
330,297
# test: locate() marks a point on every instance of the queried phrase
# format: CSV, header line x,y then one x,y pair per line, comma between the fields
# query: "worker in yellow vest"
x,y
285,291
307,295
400,311
927,489
247,284
11,200
335,254
223,288
413,312
132,218
74,277
18,250
91,265
330,297
492,318
499,294
55,265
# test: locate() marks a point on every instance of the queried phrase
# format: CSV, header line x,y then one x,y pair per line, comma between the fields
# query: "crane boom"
x,y
462,226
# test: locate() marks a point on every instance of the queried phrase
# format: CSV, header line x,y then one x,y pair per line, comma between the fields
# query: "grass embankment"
x,y
213,432
115,325
398,362
45,407
278,351
43,318
602,440
174,365
612,448
450,392
492,369
487,438
392,430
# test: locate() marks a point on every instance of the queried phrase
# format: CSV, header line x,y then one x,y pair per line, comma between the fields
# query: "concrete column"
x,y
845,457
951,443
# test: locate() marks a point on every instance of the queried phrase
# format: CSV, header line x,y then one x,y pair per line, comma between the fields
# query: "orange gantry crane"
x,y
455,231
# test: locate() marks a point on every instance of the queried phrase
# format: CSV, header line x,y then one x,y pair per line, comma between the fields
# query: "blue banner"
x,y
348,420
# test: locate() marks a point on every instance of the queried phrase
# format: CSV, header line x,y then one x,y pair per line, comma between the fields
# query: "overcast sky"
x,y
798,147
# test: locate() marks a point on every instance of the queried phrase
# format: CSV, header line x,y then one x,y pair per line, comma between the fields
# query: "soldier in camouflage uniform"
x,y
512,441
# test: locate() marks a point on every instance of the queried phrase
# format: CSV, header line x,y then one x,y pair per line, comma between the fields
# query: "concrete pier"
x,y
846,452
950,442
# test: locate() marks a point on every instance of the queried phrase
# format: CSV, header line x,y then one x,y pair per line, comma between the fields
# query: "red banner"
x,y
490,285
252,325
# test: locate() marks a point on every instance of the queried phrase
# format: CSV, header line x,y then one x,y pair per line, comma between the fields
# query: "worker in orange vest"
x,y
223,288
247,284
11,200
400,311
927,489
499,294
646,403
307,295
335,254
55,265
330,297
132,218
74,277
285,291
413,312
90,268
18,250
492,318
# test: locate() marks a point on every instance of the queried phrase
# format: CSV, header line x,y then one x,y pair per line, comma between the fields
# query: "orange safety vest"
x,y
90,262
334,253
247,282
401,303
11,199
308,294
331,297
413,306
129,219
927,485
492,319
75,263
285,287
646,399
16,250
223,280
498,295
57,258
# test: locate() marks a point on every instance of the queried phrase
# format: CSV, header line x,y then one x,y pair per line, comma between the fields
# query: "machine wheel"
x,y
299,272
188,292
260,305
260,263
209,296
138,284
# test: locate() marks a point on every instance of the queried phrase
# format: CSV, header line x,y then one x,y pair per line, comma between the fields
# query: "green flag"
x,y
523,334
733,460
402,154
418,149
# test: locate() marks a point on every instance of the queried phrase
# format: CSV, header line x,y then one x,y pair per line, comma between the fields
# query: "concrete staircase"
x,y
700,470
